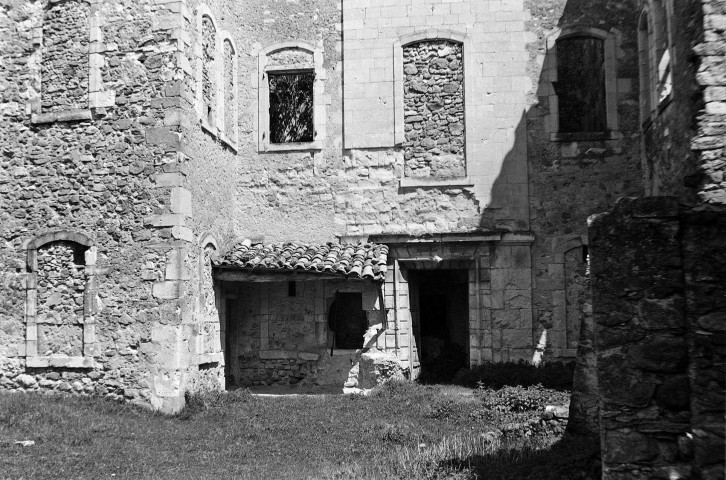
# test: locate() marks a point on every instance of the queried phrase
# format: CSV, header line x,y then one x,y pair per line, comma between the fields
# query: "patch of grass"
x,y
402,431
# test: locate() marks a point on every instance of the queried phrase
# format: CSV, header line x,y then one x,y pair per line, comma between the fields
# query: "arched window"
x,y
209,338
661,40
209,85
230,90
644,59
580,87
216,79
60,329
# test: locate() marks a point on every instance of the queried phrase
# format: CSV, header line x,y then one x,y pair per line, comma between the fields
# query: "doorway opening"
x,y
440,314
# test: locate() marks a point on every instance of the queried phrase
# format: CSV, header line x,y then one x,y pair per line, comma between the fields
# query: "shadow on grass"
x,y
572,457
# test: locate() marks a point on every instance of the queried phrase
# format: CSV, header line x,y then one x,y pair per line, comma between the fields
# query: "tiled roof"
x,y
362,260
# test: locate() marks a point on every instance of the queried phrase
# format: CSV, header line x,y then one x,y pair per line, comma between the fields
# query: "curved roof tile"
x,y
362,260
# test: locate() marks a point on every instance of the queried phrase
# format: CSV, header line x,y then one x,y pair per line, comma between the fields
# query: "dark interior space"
x,y
347,320
441,322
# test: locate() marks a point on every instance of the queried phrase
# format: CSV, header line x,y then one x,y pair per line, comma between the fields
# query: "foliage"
x,y
291,107
555,375
520,399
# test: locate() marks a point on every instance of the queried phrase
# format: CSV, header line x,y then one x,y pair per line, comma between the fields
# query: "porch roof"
x,y
361,260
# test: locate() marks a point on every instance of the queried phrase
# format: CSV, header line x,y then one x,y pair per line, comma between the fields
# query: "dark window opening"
x,y
580,87
291,107
347,320
291,289
79,256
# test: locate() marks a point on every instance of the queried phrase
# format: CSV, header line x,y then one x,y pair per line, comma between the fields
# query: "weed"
x,y
520,399
555,375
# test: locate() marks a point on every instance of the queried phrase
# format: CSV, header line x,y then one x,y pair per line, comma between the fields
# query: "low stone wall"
x,y
659,309
283,368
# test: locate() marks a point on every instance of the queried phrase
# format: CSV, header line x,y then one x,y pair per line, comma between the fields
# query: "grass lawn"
x,y
403,431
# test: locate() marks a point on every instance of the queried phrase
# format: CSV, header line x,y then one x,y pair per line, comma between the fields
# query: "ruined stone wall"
x,y
683,138
108,171
711,76
659,345
704,254
670,167
575,175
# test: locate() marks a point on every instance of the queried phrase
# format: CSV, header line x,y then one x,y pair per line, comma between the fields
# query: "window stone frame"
x,y
202,357
611,40
234,141
217,130
263,96
204,11
398,99
98,96
658,71
32,359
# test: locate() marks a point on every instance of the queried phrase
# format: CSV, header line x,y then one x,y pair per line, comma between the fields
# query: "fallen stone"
x,y
26,381
377,367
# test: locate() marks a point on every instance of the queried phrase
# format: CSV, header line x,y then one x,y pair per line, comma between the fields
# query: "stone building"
x,y
199,195
658,347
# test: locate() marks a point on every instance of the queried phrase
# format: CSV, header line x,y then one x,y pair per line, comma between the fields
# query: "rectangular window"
x,y
347,320
581,85
291,107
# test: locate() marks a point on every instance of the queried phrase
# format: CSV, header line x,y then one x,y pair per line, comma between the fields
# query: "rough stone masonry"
x,y
135,150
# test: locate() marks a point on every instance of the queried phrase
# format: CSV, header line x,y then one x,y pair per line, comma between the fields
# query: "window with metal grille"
x,y
291,107
580,87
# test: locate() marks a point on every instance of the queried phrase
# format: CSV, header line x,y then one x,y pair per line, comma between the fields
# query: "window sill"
x,y
345,351
62,116
60,361
408,182
207,358
219,135
585,136
292,147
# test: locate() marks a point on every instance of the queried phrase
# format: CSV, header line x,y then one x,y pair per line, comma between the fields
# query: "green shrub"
x,y
520,399
556,375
